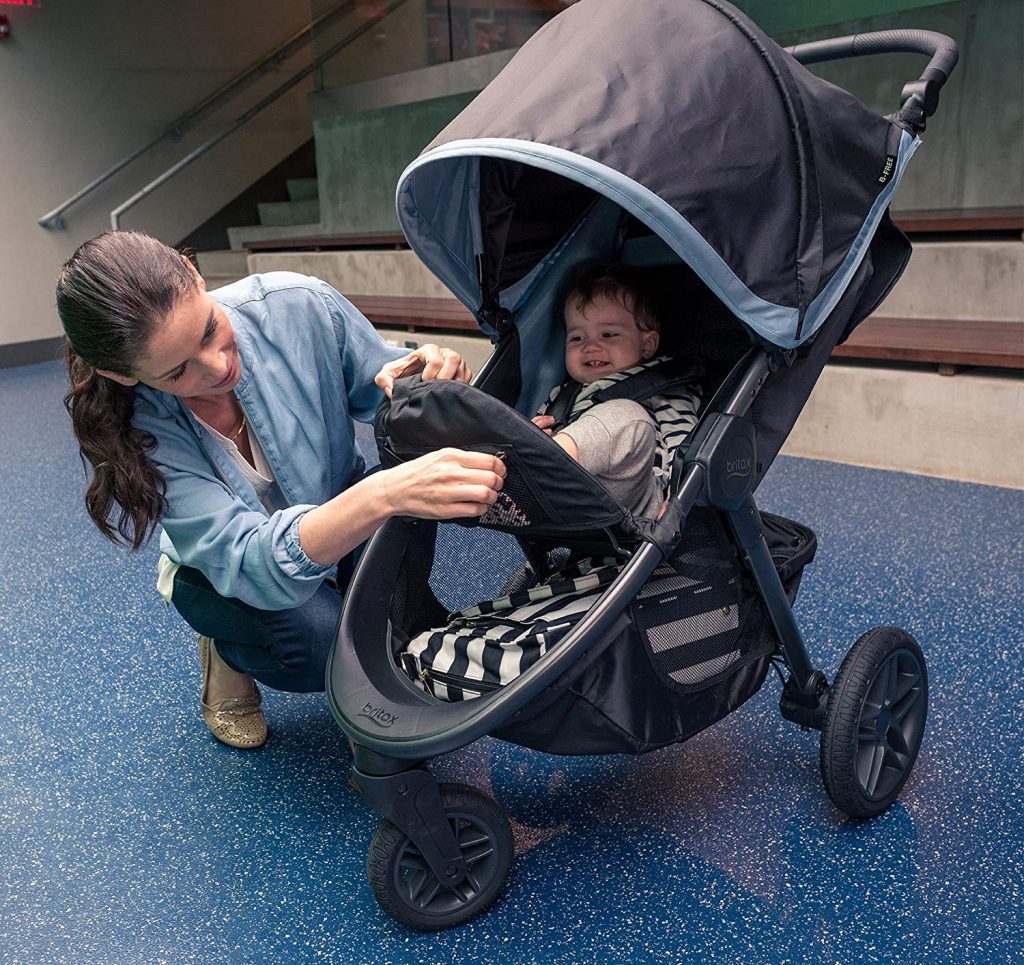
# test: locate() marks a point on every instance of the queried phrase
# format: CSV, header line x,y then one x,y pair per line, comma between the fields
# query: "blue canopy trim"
x,y
828,298
445,246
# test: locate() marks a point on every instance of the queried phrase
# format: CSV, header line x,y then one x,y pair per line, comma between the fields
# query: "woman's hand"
x,y
431,361
447,484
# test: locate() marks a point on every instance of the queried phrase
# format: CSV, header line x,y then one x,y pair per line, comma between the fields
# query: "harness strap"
x,y
659,379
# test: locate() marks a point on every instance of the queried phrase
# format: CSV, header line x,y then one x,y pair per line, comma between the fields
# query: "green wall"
x,y
971,156
360,156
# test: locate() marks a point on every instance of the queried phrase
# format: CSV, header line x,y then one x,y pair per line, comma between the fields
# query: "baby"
x,y
610,326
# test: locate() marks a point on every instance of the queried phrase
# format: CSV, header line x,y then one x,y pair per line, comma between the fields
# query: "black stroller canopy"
x,y
768,181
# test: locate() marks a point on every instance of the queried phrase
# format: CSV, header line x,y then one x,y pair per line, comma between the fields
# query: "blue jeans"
x,y
284,649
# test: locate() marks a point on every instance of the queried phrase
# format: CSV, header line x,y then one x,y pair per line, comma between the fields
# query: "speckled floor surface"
x,y
127,834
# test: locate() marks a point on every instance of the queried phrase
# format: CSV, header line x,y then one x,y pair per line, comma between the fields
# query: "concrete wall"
x,y
967,426
961,279
360,156
84,84
972,154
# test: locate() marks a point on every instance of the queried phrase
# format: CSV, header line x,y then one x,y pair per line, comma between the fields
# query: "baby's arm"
x,y
545,422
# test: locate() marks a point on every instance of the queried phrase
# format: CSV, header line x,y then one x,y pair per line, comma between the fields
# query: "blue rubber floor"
x,y
127,834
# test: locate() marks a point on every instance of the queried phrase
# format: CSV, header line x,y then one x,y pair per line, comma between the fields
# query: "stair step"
x,y
224,264
278,213
270,233
302,189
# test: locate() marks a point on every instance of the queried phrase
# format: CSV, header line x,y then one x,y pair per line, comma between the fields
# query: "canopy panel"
x,y
764,178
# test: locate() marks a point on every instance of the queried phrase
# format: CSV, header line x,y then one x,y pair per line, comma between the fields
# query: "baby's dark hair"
x,y
618,283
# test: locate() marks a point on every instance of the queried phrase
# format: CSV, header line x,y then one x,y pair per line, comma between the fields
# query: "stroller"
x,y
754,195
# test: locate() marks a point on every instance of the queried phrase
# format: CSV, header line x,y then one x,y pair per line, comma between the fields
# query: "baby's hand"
x,y
544,422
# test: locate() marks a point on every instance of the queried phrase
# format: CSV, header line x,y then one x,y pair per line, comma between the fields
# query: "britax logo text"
x,y
378,715
738,467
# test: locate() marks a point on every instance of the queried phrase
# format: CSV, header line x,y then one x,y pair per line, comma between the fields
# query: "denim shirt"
x,y
308,359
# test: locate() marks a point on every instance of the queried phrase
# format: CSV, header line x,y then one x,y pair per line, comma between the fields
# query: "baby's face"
x,y
604,340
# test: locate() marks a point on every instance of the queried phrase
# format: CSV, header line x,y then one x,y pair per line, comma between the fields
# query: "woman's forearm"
x,y
335,528
446,484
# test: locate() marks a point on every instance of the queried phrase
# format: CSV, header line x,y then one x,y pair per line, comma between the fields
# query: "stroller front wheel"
x,y
409,891
874,722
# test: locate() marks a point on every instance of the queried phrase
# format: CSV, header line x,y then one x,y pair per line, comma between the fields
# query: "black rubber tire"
x,y
409,891
874,722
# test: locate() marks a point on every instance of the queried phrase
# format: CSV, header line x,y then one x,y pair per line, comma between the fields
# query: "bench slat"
x,y
936,341
941,341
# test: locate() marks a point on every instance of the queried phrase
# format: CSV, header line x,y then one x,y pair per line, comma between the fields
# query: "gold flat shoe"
x,y
236,721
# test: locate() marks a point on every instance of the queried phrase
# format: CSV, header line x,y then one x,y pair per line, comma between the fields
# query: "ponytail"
x,y
125,497
110,295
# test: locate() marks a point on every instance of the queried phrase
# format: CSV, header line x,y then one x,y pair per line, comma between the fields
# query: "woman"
x,y
226,418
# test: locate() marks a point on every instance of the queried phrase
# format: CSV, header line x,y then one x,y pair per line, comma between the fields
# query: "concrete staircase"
x,y
298,217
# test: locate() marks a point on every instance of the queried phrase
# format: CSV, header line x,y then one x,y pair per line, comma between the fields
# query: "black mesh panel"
x,y
700,624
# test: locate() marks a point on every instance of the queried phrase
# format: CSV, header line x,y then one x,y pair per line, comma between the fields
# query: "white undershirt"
x,y
261,478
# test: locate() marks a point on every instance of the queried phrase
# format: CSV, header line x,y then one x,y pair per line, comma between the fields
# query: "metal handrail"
x,y
115,215
284,50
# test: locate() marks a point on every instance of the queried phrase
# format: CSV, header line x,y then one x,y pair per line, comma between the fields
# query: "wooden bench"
x,y
989,222
395,311
947,343
951,344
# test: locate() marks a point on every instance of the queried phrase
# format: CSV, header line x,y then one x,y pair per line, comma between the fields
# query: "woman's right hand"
x,y
446,484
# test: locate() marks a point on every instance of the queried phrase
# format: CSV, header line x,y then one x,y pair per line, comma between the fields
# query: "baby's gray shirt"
x,y
616,442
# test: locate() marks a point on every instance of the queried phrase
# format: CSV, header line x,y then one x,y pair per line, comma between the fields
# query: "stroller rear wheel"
x,y
409,891
874,722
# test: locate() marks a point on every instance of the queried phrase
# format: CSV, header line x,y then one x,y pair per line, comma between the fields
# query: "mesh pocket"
x,y
700,623
692,628
517,504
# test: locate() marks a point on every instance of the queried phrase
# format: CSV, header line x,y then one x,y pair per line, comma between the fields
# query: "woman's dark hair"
x,y
111,293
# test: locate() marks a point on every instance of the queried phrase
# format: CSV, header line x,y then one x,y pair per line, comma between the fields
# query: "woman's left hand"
x,y
431,361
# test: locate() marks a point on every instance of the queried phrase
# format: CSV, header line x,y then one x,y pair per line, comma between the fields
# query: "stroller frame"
x,y
717,470
394,728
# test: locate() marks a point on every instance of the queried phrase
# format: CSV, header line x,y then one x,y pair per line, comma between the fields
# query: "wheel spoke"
x,y
866,733
870,710
479,837
908,683
897,744
875,771
413,862
431,894
907,702
467,889
417,882
472,859
892,677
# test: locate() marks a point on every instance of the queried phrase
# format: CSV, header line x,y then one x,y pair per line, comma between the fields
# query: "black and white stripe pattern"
x,y
488,645
675,413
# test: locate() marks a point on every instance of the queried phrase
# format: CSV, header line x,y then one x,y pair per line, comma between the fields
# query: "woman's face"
x,y
192,352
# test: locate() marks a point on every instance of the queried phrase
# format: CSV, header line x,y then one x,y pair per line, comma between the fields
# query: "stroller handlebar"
x,y
919,97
